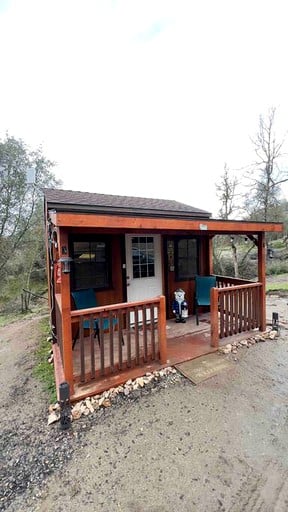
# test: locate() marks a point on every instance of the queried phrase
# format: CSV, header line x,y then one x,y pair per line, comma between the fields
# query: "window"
x,y
143,256
186,258
91,267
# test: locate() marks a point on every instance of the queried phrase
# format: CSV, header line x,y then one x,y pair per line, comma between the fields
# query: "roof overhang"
x,y
164,224
127,212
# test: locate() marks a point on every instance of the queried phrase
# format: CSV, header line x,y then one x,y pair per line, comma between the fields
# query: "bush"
x,y
277,267
278,244
224,266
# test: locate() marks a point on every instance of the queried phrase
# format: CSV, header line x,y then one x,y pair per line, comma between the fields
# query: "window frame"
x,y
108,257
176,250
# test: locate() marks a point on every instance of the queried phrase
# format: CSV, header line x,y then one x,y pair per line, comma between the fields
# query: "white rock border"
x,y
269,334
93,403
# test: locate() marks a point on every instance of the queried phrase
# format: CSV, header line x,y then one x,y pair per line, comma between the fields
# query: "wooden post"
x,y
66,317
210,255
214,293
262,279
162,330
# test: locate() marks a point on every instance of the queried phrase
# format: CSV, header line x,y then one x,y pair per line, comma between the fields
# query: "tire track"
x,y
267,492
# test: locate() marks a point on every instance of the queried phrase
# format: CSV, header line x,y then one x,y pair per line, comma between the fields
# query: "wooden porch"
x,y
139,339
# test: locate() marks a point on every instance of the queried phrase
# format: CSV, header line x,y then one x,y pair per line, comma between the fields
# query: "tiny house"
x,y
134,253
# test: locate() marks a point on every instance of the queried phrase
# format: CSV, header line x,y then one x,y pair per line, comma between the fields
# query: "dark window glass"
x,y
187,258
91,264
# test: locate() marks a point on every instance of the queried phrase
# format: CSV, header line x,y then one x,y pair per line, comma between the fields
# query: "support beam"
x,y
262,279
214,294
210,256
162,330
66,317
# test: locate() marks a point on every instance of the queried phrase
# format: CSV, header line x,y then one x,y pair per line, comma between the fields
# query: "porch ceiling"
x,y
204,226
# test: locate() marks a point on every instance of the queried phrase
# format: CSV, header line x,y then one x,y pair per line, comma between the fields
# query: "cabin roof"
x,y
87,202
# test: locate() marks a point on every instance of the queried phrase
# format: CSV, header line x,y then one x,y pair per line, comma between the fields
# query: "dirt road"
x,y
219,446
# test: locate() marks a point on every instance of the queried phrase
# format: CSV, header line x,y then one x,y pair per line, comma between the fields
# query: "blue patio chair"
x,y
85,299
203,285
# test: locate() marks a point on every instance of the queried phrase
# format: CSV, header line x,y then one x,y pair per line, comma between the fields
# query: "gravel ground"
x,y
219,446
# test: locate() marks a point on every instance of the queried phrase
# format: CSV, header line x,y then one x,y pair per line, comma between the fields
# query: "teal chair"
x,y
85,299
203,285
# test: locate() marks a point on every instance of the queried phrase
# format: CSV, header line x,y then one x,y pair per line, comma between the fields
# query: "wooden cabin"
x,y
134,253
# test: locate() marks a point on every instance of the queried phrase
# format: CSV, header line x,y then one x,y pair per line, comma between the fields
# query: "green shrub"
x,y
278,244
277,267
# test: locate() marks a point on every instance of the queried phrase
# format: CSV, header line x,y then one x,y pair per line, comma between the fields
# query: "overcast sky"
x,y
145,98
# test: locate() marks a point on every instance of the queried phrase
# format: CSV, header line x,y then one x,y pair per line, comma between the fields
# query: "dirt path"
x,y
219,446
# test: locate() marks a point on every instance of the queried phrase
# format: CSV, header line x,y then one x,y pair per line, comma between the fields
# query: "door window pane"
x,y
143,256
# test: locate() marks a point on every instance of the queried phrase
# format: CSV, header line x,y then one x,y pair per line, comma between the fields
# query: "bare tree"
x,y
267,175
226,192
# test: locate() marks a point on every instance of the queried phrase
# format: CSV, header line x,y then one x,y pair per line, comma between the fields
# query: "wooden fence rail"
x,y
234,309
224,281
119,336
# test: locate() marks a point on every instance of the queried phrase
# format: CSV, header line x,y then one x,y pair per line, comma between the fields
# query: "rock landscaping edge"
x,y
104,400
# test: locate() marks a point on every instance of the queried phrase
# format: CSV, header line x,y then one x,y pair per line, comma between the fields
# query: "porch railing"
x,y
234,309
126,335
223,281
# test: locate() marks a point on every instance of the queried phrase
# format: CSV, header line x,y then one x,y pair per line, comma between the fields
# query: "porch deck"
x,y
185,341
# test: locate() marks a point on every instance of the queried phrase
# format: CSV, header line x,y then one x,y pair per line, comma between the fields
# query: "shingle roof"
x,y
69,200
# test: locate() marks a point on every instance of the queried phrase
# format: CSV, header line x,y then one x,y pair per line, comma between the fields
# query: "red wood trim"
x,y
152,318
102,354
82,352
227,309
144,327
214,294
262,278
239,287
92,347
66,319
137,346
113,307
236,325
210,256
162,330
231,281
137,223
111,341
128,338
120,327
58,367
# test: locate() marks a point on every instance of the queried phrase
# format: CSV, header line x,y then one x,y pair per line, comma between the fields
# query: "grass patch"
x,y
9,318
43,370
274,287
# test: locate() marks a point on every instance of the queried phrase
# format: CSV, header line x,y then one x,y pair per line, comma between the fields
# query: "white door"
x,y
143,267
